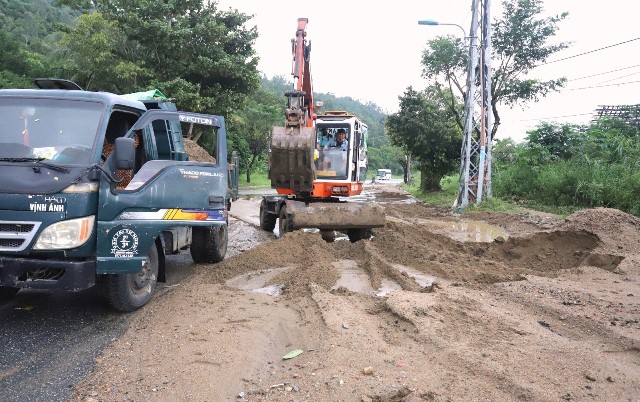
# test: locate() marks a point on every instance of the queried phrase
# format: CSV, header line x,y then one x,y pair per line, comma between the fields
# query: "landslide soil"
x,y
547,310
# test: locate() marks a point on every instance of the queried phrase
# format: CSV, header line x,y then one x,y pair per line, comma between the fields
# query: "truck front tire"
x,y
129,292
209,244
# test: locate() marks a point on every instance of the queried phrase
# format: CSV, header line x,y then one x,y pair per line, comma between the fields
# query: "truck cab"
x,y
97,188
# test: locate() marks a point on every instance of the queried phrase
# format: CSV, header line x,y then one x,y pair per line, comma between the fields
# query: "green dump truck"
x,y
96,188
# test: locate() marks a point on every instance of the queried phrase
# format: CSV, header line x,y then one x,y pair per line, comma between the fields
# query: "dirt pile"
x,y
619,231
196,152
547,313
401,245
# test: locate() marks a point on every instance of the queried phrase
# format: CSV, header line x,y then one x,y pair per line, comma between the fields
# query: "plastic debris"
x,y
292,354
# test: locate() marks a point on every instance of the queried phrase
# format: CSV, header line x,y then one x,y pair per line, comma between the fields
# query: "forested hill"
x,y
370,113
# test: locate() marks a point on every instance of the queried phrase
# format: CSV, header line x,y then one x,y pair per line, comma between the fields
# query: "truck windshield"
x,y
57,130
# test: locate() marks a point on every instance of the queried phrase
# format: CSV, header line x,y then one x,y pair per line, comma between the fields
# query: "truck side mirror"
x,y
124,153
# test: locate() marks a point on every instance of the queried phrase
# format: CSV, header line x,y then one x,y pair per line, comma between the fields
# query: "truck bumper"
x,y
26,273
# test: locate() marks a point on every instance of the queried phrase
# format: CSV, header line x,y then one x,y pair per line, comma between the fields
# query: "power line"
x,y
601,86
603,73
556,117
617,78
590,51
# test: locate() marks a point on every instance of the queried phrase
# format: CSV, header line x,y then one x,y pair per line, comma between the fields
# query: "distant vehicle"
x,y
384,174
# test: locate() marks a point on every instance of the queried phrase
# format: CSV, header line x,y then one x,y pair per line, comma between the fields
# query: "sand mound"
x,y
399,248
620,231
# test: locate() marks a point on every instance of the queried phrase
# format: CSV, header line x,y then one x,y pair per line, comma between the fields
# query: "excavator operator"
x,y
340,141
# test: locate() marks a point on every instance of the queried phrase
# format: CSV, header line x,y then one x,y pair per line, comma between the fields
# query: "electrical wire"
x,y
556,117
600,86
590,51
617,78
603,73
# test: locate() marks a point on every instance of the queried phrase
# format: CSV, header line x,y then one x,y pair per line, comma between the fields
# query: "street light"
x,y
433,22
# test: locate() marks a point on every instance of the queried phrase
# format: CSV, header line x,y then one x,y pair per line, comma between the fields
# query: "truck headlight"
x,y
66,234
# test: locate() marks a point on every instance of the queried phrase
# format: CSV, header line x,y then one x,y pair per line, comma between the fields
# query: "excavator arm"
x,y
292,168
301,71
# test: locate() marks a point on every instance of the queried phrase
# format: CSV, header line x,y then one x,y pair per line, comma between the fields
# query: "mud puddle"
x,y
463,230
423,280
382,197
256,281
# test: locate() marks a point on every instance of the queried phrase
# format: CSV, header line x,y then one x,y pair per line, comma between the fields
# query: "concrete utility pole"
x,y
475,166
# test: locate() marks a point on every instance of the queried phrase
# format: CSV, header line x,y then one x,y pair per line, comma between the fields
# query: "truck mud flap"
x,y
335,216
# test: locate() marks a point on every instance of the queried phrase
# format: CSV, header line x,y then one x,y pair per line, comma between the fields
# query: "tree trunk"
x,y
429,182
406,167
250,167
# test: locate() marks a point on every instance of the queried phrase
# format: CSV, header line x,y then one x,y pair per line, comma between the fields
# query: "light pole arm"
x,y
432,22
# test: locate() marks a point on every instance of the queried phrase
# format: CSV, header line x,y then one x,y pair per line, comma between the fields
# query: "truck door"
x,y
161,193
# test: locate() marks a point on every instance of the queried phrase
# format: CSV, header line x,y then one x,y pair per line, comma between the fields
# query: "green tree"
x,y
386,157
162,41
520,42
559,139
426,127
93,48
252,126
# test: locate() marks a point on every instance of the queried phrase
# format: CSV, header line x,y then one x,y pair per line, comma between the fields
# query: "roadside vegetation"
x,y
560,168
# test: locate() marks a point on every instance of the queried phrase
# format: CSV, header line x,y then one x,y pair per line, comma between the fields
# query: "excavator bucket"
x,y
292,166
335,216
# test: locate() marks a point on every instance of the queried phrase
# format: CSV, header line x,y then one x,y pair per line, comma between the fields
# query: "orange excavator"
x,y
317,162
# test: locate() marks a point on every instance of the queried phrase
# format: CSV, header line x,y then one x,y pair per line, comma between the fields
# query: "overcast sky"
x,y
371,51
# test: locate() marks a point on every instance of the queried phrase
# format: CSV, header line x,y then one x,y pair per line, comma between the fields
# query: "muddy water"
x,y
256,281
352,277
463,230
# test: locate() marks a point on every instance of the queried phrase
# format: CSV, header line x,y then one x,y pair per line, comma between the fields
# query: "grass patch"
x,y
258,179
449,192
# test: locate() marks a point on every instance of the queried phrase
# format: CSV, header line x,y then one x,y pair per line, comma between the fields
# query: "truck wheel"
x,y
285,223
209,244
129,292
267,220
358,234
7,293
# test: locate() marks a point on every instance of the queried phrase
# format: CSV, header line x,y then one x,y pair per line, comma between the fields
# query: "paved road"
x,y
48,340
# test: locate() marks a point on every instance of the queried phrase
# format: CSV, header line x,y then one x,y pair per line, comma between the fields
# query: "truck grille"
x,y
16,235
11,243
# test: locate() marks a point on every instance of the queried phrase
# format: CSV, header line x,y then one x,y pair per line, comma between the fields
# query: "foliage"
x,y
558,139
519,43
144,43
386,157
426,128
251,128
598,169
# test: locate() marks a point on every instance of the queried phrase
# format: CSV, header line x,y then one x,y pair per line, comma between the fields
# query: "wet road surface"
x,y
48,340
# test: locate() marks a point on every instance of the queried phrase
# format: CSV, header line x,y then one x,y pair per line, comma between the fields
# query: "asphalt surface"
x,y
48,340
